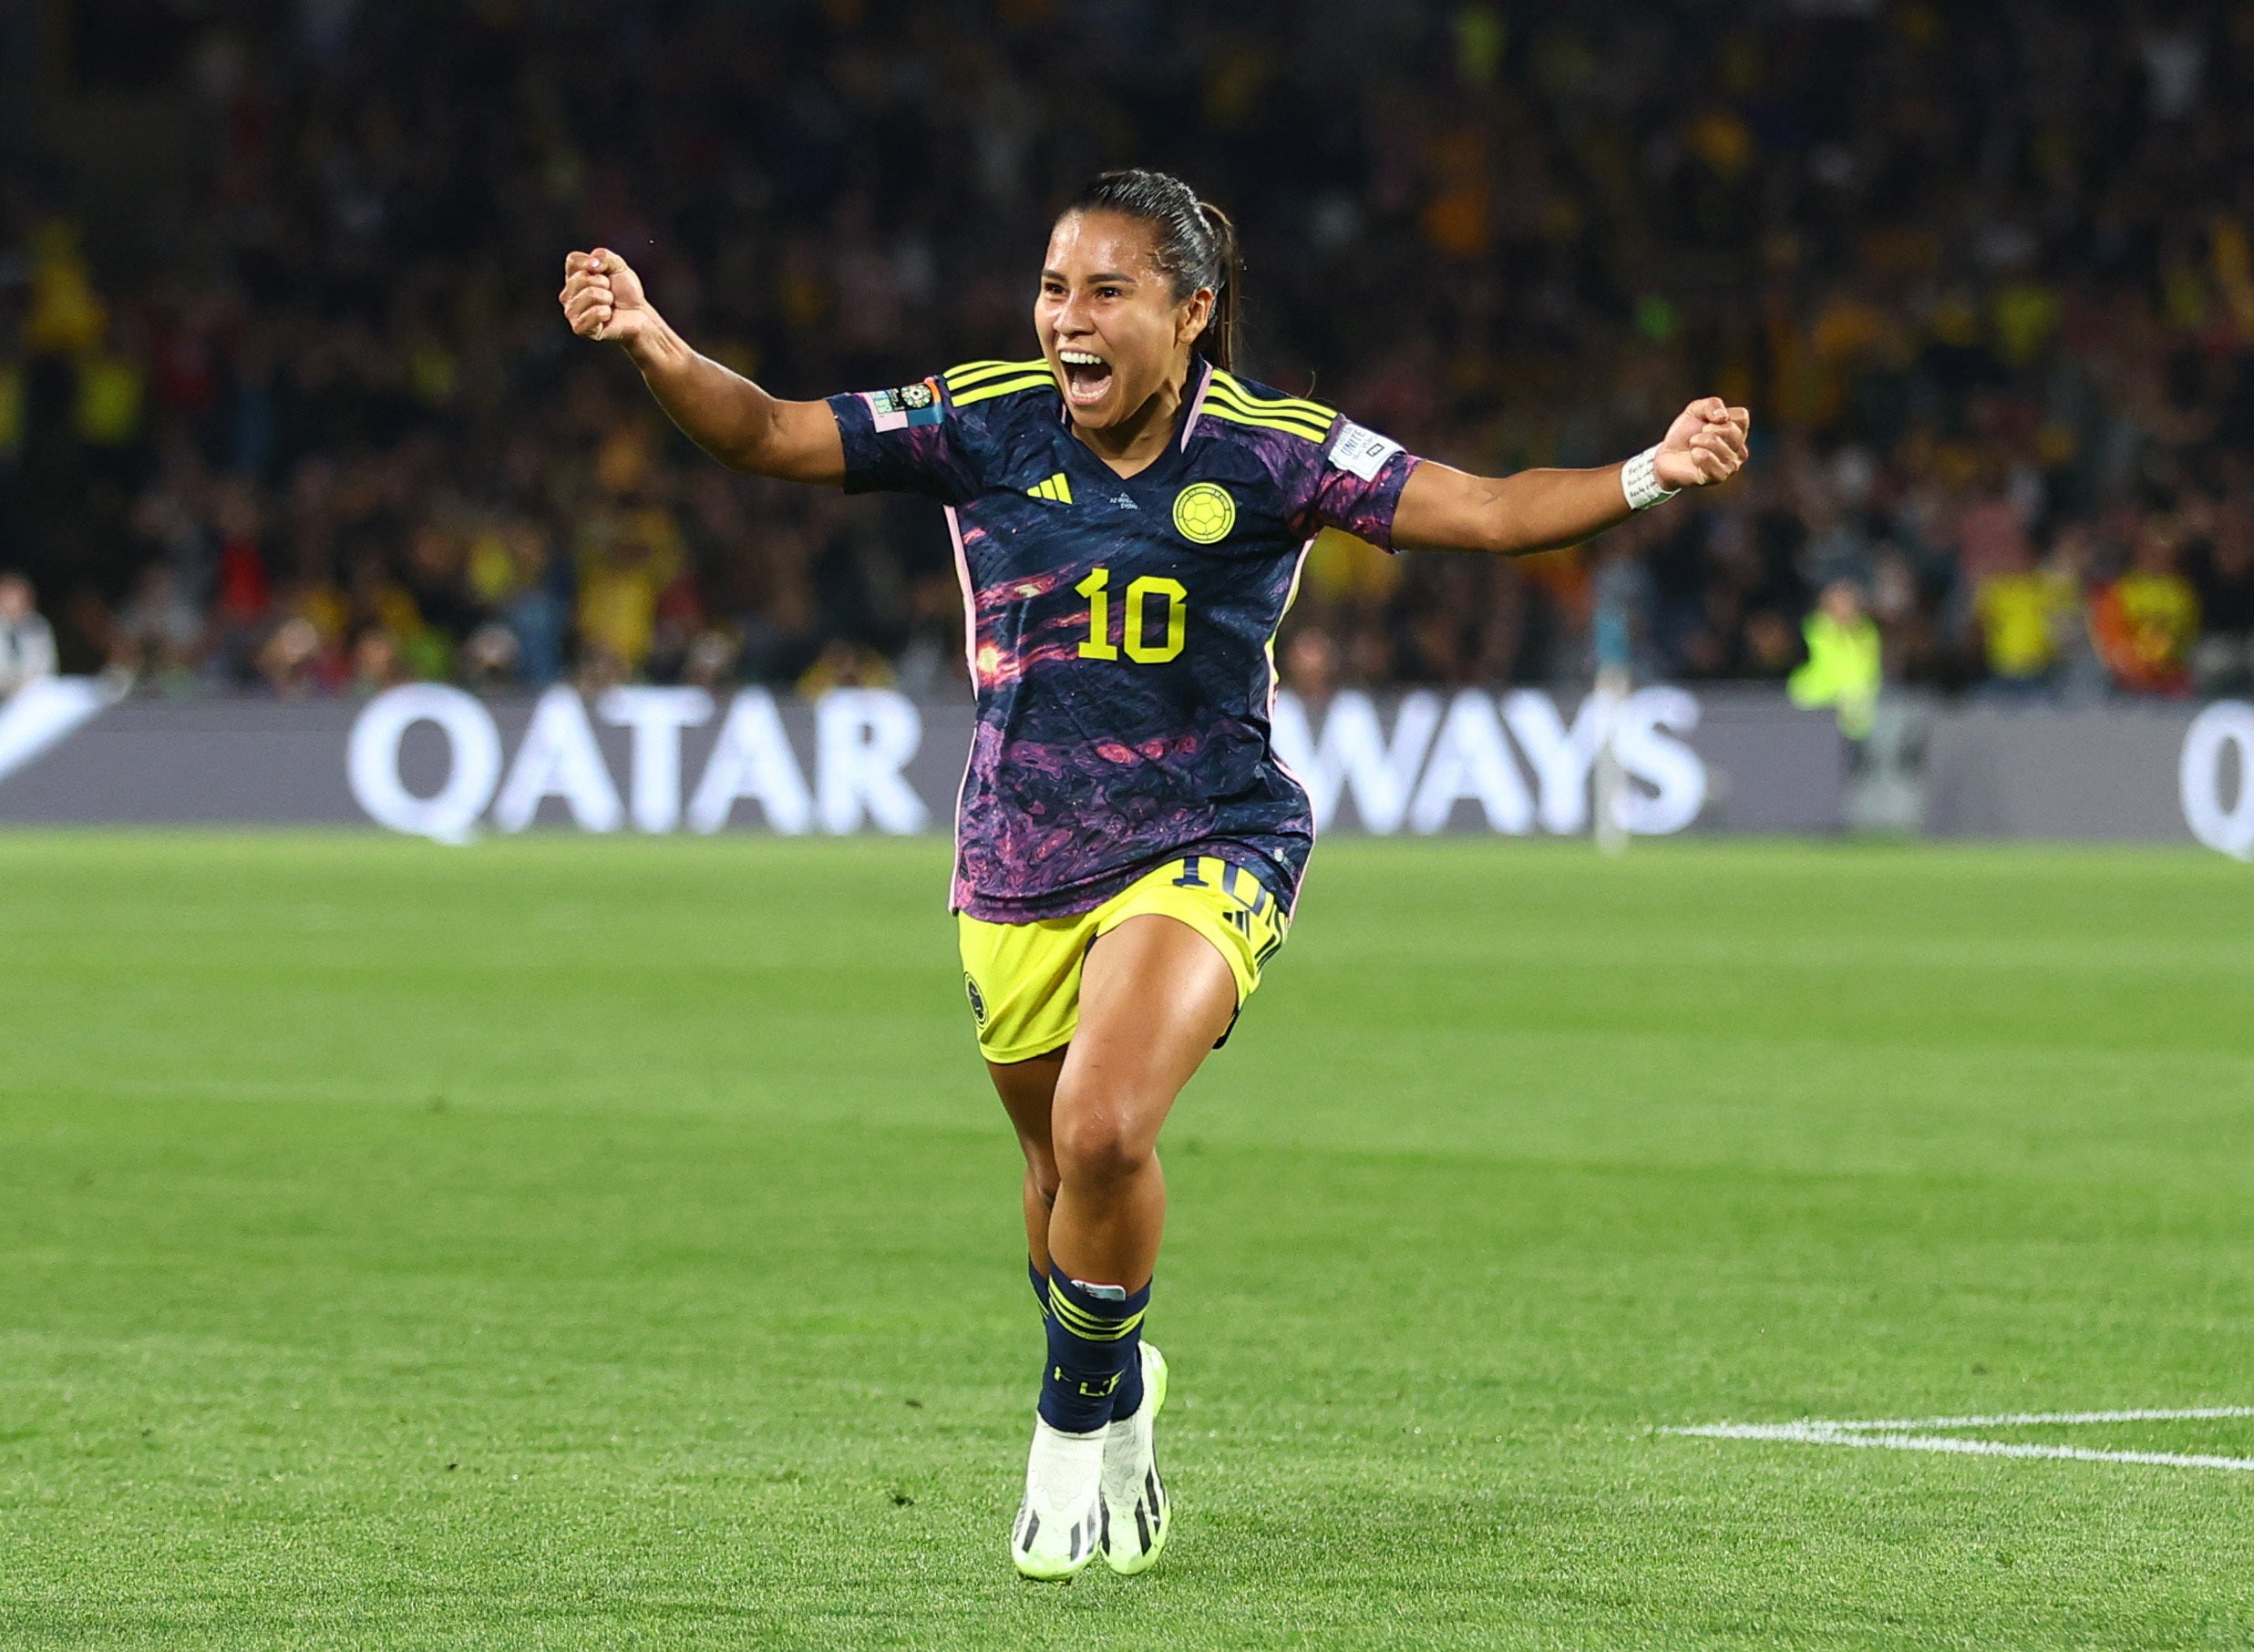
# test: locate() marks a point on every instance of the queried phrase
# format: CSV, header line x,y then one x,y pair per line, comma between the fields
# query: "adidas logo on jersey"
x,y
1055,489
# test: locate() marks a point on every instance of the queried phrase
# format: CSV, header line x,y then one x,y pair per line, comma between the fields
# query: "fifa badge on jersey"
x,y
1360,452
1204,513
910,405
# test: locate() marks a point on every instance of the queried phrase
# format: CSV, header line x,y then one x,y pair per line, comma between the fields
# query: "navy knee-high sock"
x,y
1095,1368
1128,1398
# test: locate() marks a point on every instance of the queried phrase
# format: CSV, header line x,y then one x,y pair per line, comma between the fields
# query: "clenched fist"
x,y
1705,444
602,297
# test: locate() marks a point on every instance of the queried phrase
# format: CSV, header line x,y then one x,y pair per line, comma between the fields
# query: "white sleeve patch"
x,y
1361,452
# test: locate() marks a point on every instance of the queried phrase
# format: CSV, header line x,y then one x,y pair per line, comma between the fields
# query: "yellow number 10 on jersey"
x,y
1097,588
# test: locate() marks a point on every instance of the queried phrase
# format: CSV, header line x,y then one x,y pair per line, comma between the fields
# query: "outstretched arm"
x,y
1445,510
722,411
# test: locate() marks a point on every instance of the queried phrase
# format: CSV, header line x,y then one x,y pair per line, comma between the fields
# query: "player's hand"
x,y
1705,444
602,297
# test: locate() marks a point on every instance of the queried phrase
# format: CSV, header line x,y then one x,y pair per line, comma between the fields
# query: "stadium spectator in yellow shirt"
x,y
2023,613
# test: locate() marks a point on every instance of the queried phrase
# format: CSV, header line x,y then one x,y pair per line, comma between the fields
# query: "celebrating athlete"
x,y
1129,518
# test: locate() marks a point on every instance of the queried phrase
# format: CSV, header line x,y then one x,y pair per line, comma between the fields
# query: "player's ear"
x,y
1196,311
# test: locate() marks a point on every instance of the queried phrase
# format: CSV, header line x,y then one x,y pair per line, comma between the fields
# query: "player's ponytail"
x,y
1218,341
1197,245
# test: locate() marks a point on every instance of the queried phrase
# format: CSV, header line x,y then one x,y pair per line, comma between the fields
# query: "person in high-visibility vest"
x,y
1843,666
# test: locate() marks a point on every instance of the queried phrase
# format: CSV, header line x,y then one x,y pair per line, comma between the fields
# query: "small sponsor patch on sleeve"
x,y
1362,452
911,405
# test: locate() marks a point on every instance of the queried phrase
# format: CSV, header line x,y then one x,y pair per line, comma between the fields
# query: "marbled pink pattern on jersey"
x,y
1098,759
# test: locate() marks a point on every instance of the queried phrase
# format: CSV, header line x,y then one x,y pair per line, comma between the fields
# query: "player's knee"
x,y
1095,1148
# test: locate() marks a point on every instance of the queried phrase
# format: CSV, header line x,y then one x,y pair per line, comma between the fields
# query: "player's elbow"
x,y
1488,531
745,445
789,441
1500,526
749,458
1502,534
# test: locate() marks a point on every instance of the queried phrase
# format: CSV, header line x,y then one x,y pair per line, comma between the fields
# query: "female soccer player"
x,y
1129,518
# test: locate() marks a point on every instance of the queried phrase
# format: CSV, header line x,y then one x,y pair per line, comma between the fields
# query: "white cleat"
x,y
1060,1524
1137,1510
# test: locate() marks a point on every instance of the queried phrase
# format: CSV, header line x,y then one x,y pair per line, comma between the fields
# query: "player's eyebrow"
x,y
1117,277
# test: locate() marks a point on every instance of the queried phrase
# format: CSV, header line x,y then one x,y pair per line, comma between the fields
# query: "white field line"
x,y
2021,1418
1893,1435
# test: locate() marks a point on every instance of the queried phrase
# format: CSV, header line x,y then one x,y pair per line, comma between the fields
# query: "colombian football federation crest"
x,y
1204,513
978,999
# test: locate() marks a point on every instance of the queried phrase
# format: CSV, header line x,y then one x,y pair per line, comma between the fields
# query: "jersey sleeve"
x,y
909,440
1352,482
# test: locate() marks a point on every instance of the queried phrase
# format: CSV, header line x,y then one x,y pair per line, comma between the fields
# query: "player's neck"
x,y
1135,442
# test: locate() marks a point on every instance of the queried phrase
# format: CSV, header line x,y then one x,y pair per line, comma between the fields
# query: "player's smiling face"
x,y
1112,331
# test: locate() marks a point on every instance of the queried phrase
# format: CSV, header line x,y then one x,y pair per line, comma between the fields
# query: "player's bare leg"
x,y
1028,1089
1154,997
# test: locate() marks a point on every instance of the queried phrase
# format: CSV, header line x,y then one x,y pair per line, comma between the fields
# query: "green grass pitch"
x,y
569,1244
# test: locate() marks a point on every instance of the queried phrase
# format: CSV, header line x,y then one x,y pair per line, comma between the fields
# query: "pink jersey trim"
x,y
970,600
970,664
1196,405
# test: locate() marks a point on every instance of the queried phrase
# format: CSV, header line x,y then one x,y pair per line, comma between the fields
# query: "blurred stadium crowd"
x,y
286,405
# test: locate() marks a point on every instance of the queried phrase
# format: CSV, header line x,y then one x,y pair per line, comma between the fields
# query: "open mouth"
x,y
1088,376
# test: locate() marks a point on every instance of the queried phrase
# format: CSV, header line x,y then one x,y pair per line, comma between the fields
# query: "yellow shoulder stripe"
x,y
1292,416
1230,385
1217,409
979,373
1317,425
1237,386
1006,386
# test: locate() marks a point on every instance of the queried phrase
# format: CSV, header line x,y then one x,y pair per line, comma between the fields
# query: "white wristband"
x,y
1639,482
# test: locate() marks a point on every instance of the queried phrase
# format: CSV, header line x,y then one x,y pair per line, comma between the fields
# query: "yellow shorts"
x,y
1024,979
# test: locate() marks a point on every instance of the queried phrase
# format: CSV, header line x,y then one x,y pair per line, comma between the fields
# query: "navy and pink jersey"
x,y
1120,631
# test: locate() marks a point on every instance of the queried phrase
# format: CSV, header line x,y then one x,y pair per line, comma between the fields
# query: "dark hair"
x,y
1197,244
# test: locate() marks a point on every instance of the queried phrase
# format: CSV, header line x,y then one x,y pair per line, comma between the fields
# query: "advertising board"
x,y
436,760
